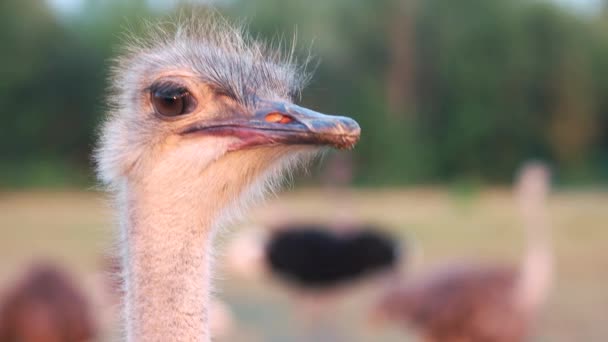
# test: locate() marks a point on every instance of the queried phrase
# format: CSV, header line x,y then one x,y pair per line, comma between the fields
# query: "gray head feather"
x,y
223,54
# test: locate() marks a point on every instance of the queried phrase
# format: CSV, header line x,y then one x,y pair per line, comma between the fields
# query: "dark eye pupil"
x,y
168,105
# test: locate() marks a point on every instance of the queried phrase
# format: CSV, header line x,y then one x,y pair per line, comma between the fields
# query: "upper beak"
x,y
277,123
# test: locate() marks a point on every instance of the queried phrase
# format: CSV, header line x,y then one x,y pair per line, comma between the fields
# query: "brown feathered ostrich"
x,y
489,303
202,121
45,306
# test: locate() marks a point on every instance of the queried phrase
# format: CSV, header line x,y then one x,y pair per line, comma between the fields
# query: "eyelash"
x,y
168,89
171,89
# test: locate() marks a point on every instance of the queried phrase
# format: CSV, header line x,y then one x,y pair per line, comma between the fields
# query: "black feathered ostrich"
x,y
483,302
202,122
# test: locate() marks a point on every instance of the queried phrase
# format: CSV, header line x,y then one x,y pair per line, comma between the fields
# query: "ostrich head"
x,y
203,102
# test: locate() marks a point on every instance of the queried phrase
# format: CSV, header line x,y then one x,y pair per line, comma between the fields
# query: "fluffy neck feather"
x,y
167,234
167,266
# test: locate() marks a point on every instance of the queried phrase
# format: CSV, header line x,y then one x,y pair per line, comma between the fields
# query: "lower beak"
x,y
278,123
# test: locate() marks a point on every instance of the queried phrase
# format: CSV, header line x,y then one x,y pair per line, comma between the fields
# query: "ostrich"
x,y
202,121
319,265
469,302
46,306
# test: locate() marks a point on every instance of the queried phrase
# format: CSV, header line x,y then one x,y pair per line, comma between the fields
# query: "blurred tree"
x,y
53,84
444,91
400,72
49,89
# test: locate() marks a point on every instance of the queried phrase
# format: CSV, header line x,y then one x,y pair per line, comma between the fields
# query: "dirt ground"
x,y
436,226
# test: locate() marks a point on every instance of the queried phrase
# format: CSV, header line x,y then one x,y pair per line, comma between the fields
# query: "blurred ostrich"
x,y
202,122
319,264
484,302
319,267
45,306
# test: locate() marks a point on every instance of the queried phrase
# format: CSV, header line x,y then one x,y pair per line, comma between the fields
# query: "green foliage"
x,y
444,91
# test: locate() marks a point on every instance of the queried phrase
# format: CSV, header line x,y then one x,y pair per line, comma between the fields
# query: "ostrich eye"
x,y
170,100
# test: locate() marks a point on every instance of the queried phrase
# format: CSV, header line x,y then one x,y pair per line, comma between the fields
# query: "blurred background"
x,y
452,96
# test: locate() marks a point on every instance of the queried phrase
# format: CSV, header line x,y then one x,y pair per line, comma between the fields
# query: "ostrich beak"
x,y
279,123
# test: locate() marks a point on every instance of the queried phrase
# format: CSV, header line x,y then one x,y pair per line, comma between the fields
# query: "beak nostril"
x,y
276,117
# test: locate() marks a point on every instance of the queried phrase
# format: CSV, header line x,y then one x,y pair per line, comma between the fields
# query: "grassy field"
x,y
75,229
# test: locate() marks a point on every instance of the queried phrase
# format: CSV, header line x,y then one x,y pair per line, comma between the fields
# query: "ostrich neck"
x,y
169,219
167,241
